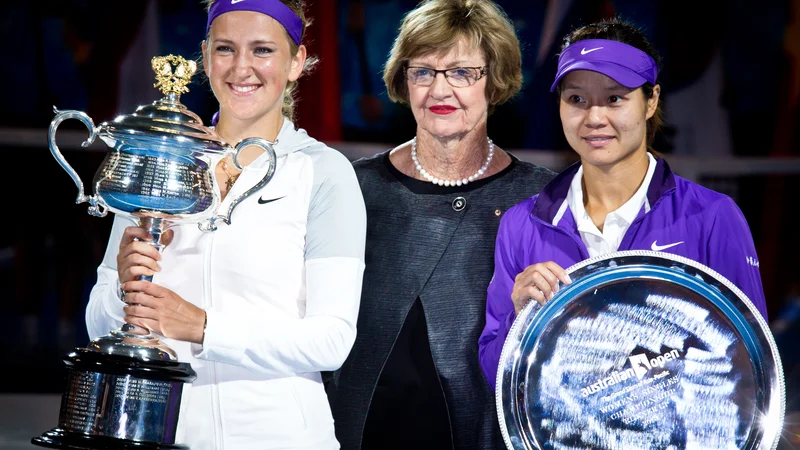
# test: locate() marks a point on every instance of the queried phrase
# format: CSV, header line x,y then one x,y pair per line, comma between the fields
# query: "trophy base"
x,y
118,402
58,438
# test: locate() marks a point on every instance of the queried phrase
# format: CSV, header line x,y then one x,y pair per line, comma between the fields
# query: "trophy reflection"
x,y
123,390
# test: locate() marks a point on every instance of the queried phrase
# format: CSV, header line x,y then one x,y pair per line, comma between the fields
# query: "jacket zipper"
x,y
639,220
216,407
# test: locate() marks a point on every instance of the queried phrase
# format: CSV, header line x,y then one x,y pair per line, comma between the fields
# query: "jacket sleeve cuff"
x,y
225,339
113,302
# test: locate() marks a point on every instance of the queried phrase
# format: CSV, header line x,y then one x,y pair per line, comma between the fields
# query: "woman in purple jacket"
x,y
620,196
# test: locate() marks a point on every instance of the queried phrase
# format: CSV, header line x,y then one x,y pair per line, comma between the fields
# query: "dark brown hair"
x,y
620,30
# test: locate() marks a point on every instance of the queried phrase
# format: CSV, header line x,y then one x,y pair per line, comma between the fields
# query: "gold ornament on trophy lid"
x,y
173,73
167,115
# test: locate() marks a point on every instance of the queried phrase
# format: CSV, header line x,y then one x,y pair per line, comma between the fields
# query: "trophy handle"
x,y
97,207
267,146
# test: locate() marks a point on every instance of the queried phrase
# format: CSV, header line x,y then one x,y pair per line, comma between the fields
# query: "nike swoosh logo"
x,y
583,51
261,201
658,248
233,2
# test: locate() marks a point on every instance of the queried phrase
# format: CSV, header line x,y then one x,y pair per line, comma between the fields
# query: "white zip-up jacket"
x,y
281,287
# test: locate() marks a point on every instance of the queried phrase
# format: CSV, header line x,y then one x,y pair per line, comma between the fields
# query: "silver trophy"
x,y
644,350
124,389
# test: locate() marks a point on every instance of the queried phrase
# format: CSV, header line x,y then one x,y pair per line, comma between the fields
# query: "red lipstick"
x,y
442,109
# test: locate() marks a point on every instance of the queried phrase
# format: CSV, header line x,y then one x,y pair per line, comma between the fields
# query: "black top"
x,y
431,246
408,395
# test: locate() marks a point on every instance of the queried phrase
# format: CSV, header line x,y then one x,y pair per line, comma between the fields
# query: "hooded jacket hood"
x,y
289,140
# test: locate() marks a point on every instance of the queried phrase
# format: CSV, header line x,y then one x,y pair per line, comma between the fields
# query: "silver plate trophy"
x,y
123,390
644,350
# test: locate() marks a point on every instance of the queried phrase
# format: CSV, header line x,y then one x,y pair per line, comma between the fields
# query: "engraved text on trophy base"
x,y
119,406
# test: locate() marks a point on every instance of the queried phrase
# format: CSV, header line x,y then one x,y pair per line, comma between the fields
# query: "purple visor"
x,y
273,8
625,64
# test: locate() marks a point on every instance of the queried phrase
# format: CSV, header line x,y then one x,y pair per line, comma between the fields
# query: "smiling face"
x,y
248,60
442,110
603,121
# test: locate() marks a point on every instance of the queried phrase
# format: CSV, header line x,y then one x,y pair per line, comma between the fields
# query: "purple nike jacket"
x,y
684,219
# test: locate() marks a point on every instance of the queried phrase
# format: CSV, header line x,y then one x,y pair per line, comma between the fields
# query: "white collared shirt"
x,y
616,223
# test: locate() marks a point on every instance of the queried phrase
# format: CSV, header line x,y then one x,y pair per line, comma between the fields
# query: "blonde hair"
x,y
438,25
289,99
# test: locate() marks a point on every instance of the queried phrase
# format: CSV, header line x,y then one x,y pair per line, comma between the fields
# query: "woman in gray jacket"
x,y
433,207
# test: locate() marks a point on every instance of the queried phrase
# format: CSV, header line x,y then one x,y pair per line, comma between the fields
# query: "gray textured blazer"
x,y
427,246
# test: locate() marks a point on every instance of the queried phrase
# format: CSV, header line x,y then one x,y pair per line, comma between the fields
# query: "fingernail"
x,y
569,280
558,286
158,266
552,294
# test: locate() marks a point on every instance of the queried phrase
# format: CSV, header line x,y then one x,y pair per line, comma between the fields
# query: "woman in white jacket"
x,y
259,307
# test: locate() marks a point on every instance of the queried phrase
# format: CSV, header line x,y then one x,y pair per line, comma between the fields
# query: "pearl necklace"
x,y
442,182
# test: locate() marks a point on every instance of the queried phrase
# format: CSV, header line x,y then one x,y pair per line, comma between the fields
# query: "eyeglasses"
x,y
457,76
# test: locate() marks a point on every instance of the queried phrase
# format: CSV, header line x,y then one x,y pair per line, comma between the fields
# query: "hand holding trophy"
x,y
124,389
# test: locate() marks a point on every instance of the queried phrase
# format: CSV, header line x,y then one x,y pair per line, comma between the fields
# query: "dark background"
x,y
730,88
